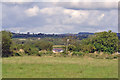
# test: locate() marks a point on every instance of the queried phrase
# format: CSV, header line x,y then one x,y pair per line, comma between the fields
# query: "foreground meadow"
x,y
58,67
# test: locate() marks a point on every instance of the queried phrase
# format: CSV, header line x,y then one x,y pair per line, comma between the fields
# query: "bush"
x,y
30,50
87,52
40,54
46,53
102,56
44,45
63,54
49,53
17,54
101,41
77,54
71,48
112,57
91,55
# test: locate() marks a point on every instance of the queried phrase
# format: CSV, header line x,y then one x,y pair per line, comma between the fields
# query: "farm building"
x,y
57,50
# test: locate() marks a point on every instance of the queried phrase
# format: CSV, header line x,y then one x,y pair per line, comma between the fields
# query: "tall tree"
x,y
101,41
6,43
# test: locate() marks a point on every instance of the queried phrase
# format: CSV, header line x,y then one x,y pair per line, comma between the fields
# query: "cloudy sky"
x,y
60,17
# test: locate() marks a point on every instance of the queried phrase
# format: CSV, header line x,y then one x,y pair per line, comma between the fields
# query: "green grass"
x,y
59,67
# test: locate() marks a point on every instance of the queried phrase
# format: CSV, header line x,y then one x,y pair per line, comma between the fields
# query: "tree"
x,y
44,45
101,41
71,48
6,43
108,41
30,50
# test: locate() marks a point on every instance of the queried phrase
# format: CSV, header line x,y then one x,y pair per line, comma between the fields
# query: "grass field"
x,y
58,67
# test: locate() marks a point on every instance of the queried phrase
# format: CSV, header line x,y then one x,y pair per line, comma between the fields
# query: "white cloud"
x,y
63,15
60,0
89,5
54,28
69,16
17,1
52,10
32,11
101,17
98,18
76,16
58,19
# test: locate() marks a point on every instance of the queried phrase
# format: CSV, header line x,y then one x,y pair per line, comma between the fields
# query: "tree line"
x,y
106,42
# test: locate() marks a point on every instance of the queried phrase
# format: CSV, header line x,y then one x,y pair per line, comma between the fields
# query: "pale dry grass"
x,y
59,46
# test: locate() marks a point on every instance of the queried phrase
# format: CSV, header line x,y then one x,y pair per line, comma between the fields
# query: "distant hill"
x,y
87,33
80,35
118,35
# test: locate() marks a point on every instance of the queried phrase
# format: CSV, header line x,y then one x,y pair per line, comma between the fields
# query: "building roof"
x,y
57,49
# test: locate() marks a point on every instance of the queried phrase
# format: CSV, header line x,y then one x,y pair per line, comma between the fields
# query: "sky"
x,y
59,17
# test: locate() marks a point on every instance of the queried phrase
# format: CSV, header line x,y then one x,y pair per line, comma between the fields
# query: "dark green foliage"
x,y
6,43
102,42
71,47
55,41
17,54
40,54
63,54
119,46
30,46
90,48
78,53
29,50
106,42
44,45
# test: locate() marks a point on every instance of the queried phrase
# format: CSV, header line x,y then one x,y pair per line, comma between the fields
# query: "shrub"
x,y
112,57
40,53
71,48
101,41
77,54
30,50
49,53
91,55
102,56
17,54
87,52
44,45
63,54
45,53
